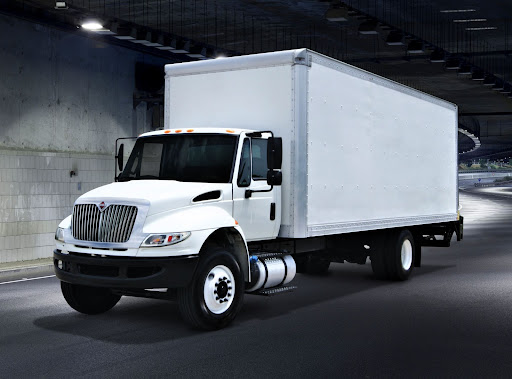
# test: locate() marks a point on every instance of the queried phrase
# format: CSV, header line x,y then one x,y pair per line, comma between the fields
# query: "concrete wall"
x,y
36,192
64,99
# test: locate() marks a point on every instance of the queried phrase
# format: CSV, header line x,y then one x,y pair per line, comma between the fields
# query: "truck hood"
x,y
162,195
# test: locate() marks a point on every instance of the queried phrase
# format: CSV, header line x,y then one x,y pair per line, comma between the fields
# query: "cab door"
x,y
256,212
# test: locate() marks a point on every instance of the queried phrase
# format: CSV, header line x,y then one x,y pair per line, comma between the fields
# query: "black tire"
x,y
312,264
400,255
215,294
88,300
417,250
394,259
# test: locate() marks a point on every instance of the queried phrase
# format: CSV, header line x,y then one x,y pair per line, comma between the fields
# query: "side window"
x,y
244,171
259,159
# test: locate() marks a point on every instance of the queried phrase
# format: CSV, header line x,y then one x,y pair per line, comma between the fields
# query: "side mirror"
x,y
274,178
119,157
274,153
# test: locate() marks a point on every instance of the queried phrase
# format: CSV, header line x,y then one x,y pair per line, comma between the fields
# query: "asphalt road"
x,y
453,318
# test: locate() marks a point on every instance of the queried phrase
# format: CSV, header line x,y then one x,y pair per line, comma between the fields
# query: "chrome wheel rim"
x,y
219,289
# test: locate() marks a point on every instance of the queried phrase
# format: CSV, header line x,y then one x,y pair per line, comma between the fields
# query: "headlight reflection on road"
x,y
484,204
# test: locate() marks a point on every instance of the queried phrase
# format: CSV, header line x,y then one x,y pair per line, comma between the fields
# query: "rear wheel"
x,y
400,255
395,260
88,300
215,295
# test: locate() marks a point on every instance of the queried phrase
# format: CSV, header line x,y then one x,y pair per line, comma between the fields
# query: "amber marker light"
x,y
230,131
167,131
178,131
190,130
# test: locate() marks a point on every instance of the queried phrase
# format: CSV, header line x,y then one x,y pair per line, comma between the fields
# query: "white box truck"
x,y
270,164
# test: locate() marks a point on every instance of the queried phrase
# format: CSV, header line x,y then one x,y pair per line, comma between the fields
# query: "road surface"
x,y
453,318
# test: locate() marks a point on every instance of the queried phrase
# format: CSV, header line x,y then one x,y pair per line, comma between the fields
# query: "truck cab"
x,y
182,195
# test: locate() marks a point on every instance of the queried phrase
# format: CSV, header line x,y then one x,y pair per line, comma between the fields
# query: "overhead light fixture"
x,y
506,90
452,64
180,47
471,20
150,41
437,56
212,53
498,87
61,5
458,10
478,75
138,36
489,80
122,32
474,138
197,51
92,25
395,38
482,28
368,27
464,69
415,47
337,13
164,43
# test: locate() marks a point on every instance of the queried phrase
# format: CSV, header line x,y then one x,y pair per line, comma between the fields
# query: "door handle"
x,y
272,211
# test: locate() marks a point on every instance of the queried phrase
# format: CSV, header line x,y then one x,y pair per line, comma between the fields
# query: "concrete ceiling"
x,y
251,26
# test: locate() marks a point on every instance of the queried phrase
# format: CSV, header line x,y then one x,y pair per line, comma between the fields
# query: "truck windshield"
x,y
183,157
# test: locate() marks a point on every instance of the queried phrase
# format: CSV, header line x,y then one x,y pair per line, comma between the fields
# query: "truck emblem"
x,y
101,206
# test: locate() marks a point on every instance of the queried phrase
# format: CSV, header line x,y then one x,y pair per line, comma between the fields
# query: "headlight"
x,y
154,240
59,234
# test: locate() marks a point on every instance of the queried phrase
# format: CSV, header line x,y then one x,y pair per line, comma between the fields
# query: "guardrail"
x,y
504,171
494,184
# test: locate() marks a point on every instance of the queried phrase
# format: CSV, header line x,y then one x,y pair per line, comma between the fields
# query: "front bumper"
x,y
124,272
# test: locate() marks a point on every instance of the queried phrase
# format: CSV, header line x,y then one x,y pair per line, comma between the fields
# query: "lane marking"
x,y
29,279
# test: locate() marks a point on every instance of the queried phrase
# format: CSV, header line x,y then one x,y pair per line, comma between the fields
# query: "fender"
x,y
205,222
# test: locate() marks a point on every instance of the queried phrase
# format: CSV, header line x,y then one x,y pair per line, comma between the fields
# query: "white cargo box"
x,y
360,152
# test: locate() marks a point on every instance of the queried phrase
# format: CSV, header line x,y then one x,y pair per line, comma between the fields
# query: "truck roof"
x,y
192,130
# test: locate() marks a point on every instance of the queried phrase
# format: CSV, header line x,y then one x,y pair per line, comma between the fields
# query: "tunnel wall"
x,y
64,99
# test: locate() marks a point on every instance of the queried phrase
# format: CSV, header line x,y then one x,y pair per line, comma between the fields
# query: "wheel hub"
x,y
222,289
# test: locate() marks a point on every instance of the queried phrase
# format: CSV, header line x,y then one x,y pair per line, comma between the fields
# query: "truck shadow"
x,y
340,282
133,321
137,321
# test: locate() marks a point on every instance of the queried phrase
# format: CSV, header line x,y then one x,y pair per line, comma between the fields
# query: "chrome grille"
x,y
114,224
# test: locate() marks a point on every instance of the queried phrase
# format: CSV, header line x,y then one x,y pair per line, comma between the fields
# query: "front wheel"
x,y
88,300
215,295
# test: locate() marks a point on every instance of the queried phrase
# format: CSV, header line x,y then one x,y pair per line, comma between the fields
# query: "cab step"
x,y
273,291
264,255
